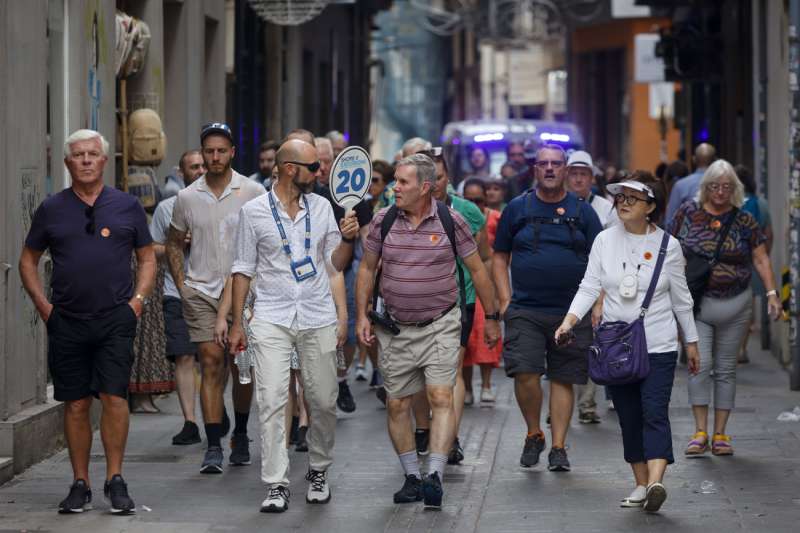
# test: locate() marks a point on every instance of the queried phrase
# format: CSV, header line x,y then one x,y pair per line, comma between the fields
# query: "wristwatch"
x,y
492,316
141,298
773,292
345,239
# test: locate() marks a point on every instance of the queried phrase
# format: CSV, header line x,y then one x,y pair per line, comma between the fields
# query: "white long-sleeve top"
x,y
616,252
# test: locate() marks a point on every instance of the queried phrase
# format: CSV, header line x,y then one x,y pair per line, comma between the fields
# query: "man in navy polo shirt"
x,y
91,231
545,235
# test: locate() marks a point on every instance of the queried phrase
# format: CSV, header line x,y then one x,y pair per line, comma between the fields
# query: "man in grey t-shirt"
x,y
180,349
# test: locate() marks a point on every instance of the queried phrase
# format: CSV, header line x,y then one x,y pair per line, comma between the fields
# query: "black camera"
x,y
384,321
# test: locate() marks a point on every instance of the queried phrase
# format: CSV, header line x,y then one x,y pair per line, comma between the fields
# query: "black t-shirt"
x,y
362,209
91,271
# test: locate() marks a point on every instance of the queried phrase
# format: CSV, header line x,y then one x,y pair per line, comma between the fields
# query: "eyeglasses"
x,y
629,200
312,167
90,227
714,187
553,164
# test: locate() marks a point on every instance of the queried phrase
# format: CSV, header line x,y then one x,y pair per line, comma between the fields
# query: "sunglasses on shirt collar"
x,y
312,167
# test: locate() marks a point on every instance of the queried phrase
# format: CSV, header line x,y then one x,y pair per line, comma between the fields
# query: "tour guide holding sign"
x,y
283,241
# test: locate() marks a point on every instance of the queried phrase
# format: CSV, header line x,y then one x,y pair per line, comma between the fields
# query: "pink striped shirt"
x,y
418,280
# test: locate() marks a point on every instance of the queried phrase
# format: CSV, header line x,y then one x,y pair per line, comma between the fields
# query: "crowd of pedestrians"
x,y
424,278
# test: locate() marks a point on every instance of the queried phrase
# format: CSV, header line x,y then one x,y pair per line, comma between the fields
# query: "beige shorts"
x,y
420,356
200,314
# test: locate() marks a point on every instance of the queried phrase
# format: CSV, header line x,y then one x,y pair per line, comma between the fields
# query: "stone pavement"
x,y
756,490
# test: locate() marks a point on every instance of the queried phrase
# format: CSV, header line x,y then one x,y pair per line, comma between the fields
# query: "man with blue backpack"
x,y
545,236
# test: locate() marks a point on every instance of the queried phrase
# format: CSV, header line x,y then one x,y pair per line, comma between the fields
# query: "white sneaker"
x,y
318,490
487,396
636,499
277,500
361,373
468,399
656,496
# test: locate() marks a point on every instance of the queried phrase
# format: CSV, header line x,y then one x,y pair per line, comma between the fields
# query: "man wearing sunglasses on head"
x,y
209,210
288,244
91,231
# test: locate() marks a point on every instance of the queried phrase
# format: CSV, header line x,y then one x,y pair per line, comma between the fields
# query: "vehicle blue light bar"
x,y
557,137
488,137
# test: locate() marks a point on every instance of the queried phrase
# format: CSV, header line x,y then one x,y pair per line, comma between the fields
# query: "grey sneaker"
x,y
558,460
78,500
277,500
534,446
318,489
240,450
212,462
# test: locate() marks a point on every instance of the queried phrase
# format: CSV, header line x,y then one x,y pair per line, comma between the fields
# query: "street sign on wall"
x,y
647,67
527,75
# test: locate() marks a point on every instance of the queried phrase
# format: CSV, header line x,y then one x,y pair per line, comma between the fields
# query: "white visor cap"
x,y
616,188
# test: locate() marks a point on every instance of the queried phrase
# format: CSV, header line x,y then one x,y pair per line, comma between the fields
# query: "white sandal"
x,y
656,496
636,499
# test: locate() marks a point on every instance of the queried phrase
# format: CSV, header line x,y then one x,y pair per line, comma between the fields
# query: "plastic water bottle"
x,y
707,487
243,363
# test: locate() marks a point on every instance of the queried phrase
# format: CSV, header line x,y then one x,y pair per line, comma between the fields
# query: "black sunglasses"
x,y
312,167
629,200
89,212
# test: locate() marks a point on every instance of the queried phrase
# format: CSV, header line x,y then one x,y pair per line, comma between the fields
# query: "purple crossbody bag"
x,y
618,355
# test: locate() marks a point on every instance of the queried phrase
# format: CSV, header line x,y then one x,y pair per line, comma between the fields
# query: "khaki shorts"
x,y
420,356
200,314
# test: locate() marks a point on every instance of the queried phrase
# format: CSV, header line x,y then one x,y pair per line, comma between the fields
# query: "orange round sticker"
x,y
560,211
434,239
648,256
105,232
716,224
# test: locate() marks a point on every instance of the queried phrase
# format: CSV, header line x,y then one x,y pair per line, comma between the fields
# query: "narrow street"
x,y
755,490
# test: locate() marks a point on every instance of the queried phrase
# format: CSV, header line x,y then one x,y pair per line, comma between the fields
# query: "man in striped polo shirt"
x,y
419,288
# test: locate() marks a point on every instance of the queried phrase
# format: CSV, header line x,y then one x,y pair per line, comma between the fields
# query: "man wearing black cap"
x,y
209,210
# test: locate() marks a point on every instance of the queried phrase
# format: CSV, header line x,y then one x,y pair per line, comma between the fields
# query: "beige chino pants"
x,y
316,349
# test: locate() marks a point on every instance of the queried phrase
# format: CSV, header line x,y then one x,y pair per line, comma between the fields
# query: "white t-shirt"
x,y
616,252
605,211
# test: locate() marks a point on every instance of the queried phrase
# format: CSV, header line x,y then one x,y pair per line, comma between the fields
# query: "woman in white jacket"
x,y
621,265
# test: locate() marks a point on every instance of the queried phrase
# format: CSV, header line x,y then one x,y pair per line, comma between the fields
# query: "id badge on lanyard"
x,y
304,268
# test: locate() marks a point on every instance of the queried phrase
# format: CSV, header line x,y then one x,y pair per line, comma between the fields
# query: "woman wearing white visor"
x,y
621,264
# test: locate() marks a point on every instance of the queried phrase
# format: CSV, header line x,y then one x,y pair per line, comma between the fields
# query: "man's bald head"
x,y
296,150
704,155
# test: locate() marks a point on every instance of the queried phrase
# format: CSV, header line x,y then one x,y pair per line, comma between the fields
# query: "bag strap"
x,y
662,254
450,229
386,226
724,235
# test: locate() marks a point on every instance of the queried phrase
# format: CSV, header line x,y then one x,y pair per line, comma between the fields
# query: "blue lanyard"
x,y
284,240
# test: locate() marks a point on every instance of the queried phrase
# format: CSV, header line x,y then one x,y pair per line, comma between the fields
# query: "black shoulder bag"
x,y
698,266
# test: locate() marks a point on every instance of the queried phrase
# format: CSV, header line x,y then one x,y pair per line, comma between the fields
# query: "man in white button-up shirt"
x,y
287,242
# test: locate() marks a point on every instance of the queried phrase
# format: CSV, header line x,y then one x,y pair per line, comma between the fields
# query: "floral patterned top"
x,y
698,231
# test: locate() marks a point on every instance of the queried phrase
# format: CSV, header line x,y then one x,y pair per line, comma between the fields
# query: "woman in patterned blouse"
x,y
724,314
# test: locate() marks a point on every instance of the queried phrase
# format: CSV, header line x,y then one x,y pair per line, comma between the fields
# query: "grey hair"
x,y
319,142
84,135
335,135
414,145
554,147
719,169
426,170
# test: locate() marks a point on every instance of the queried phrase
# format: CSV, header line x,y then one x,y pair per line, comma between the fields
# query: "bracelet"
x,y
345,239
492,316
773,292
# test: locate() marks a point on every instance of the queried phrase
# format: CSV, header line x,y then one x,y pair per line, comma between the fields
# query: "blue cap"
x,y
219,128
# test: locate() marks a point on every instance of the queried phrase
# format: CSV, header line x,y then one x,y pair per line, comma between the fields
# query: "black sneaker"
x,y
116,492
411,491
212,462
380,393
558,460
226,422
376,381
78,500
345,399
534,446
302,443
588,417
190,434
422,436
293,430
432,491
240,450
277,500
456,454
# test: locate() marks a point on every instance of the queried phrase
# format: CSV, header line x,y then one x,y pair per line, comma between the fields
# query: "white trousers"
x,y
316,348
